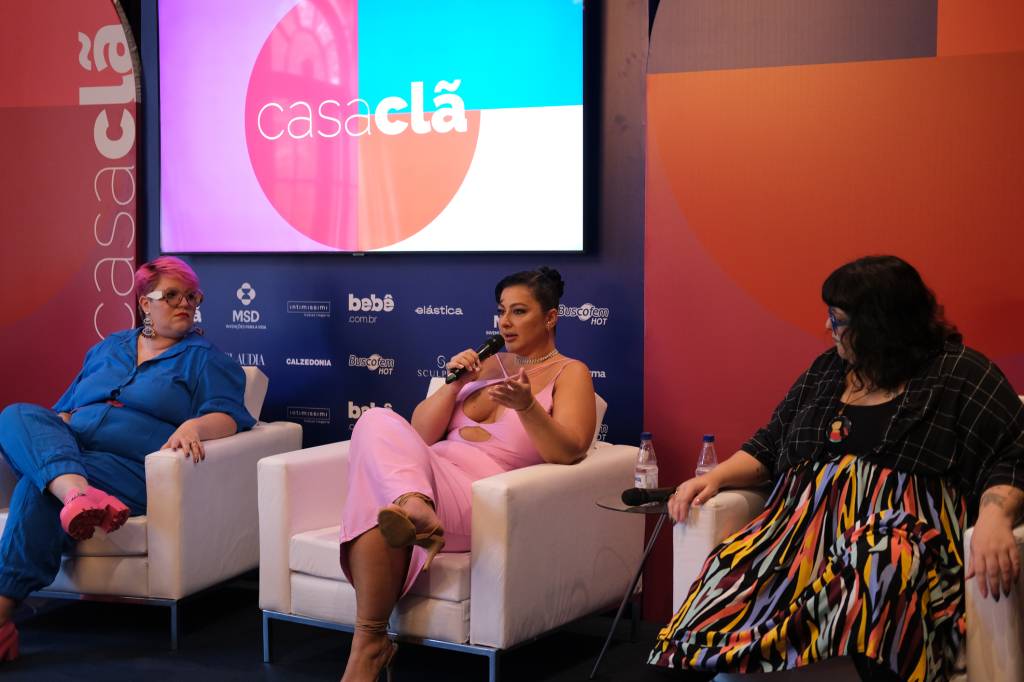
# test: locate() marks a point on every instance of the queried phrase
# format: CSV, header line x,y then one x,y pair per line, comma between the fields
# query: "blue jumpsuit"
x,y
119,414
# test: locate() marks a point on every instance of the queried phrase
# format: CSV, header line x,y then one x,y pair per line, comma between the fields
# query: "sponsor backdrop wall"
x,y
67,200
790,136
340,334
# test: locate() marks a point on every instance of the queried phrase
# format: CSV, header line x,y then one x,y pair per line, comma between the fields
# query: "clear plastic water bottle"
x,y
708,460
645,475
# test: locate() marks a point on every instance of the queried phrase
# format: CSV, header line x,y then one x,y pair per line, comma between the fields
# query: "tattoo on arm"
x,y
1006,498
993,498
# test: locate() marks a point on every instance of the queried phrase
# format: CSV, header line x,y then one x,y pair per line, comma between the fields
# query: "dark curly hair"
x,y
895,326
544,283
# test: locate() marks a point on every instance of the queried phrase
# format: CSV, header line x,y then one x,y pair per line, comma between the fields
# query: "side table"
x,y
614,503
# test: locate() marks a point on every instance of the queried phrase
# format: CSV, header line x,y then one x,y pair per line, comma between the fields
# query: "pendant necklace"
x,y
839,426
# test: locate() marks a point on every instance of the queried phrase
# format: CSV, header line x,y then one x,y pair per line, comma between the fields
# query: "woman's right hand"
x,y
467,359
695,492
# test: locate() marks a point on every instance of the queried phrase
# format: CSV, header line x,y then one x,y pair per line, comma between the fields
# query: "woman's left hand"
x,y
995,559
186,438
514,392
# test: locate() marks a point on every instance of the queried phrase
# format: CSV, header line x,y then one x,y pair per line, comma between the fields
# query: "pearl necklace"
x,y
536,361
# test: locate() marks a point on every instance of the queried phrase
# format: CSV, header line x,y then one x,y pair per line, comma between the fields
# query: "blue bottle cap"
x,y
709,438
646,435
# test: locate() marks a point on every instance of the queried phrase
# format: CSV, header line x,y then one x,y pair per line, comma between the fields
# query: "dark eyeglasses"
x,y
835,322
173,297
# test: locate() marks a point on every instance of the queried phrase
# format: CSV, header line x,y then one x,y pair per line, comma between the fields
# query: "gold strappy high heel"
x,y
380,627
399,530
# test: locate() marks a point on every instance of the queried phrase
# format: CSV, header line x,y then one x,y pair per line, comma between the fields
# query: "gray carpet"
x,y
221,640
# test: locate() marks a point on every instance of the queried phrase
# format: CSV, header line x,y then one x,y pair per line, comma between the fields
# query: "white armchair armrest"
x,y
543,553
201,527
995,630
298,491
705,527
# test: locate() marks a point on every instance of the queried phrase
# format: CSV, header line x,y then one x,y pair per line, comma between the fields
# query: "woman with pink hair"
x,y
81,464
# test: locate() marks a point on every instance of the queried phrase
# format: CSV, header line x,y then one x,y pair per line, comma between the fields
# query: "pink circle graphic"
x,y
318,154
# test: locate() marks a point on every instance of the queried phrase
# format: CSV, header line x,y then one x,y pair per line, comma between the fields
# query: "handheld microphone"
x,y
634,497
488,348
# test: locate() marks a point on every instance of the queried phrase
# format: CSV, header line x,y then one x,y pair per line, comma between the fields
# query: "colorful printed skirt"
x,y
848,557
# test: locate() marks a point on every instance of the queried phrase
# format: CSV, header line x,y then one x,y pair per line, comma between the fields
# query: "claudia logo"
x,y
588,312
327,127
374,363
249,359
308,362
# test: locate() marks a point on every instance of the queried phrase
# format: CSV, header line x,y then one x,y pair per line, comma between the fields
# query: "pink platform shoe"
x,y
8,641
85,510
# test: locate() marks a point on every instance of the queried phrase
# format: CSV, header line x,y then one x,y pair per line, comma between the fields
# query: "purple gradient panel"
x,y
210,198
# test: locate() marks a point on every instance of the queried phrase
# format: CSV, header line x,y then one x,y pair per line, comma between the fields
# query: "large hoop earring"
x,y
147,326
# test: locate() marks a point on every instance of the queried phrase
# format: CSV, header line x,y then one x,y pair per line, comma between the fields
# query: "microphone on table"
x,y
488,348
634,497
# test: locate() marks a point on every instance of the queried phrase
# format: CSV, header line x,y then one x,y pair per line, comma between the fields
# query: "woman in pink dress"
x,y
409,483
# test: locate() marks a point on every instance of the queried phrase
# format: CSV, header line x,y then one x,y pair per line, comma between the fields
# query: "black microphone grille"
x,y
633,497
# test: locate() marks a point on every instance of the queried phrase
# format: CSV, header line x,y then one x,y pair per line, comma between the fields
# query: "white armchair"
x,y
542,553
198,529
995,631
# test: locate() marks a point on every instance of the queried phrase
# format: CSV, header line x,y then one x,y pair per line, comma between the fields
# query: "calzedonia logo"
x,y
248,316
588,312
308,362
361,307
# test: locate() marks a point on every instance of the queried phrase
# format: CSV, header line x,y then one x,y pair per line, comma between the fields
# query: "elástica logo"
x,y
319,99
438,310
588,312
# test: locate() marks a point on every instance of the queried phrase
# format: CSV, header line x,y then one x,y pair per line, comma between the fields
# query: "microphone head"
x,y
491,346
633,497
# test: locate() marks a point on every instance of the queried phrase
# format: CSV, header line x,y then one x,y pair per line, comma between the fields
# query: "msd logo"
x,y
247,317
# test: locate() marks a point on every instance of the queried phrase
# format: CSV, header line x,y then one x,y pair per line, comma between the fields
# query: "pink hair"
x,y
149,273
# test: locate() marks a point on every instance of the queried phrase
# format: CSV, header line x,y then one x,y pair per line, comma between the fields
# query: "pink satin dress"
x,y
388,458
